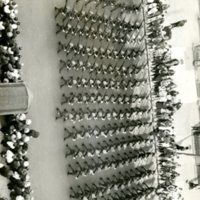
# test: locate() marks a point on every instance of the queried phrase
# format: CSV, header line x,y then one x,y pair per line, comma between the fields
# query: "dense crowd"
x,y
15,128
166,97
10,65
17,134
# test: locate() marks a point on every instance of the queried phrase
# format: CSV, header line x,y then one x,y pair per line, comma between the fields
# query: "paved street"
x,y
48,165
47,162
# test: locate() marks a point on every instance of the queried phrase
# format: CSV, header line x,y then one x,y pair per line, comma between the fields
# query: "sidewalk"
x,y
183,40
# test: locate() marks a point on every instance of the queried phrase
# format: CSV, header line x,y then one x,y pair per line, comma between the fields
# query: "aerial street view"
x,y
99,100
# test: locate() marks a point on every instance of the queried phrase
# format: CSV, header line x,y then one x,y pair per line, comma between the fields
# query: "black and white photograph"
x,y
99,100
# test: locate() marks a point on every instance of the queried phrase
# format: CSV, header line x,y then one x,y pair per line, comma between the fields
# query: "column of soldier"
x,y
15,129
165,95
105,100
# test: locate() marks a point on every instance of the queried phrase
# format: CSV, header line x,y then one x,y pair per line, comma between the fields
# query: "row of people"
x,y
165,93
141,191
100,52
91,165
100,114
137,129
99,83
107,146
68,14
86,98
118,70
